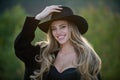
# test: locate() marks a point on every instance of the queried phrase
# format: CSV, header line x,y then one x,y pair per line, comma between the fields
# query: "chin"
x,y
62,42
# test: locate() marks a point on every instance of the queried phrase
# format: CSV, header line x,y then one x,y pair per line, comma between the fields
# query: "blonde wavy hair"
x,y
89,63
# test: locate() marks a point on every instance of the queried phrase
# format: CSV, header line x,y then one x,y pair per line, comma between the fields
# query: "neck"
x,y
67,48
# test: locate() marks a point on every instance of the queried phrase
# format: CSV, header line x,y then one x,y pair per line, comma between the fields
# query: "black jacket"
x,y
24,50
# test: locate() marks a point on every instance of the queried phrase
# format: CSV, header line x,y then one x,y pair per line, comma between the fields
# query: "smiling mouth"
x,y
61,37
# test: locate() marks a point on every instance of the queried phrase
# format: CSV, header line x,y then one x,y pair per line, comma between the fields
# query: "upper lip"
x,y
59,36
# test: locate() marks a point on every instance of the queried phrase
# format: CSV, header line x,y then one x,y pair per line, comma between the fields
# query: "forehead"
x,y
59,22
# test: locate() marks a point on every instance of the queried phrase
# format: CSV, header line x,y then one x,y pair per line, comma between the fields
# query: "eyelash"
x,y
63,26
53,29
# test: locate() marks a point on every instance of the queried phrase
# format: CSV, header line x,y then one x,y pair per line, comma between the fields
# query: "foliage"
x,y
10,23
103,34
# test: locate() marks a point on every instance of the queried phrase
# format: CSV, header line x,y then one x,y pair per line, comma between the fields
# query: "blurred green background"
x,y
104,32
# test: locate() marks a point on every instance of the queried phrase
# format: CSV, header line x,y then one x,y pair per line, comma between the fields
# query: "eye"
x,y
62,26
53,29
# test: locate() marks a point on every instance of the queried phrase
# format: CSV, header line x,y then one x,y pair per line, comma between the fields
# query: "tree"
x,y
10,23
103,33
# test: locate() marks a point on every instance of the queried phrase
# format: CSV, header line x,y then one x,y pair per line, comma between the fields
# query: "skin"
x,y
66,57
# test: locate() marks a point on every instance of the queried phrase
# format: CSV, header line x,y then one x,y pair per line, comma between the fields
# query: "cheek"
x,y
66,31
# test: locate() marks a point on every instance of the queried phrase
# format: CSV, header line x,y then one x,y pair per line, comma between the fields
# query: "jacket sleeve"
x,y
24,50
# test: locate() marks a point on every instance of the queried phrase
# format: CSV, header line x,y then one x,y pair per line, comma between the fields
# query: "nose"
x,y
58,31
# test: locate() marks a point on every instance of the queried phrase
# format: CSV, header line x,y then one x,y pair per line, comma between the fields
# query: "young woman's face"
x,y
60,31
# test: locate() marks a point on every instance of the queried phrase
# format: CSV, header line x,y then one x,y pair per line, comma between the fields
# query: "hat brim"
x,y
78,20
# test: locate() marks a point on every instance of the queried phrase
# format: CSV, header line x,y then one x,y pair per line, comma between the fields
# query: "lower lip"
x,y
61,38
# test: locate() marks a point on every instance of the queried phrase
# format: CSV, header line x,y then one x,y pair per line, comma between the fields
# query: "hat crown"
x,y
64,12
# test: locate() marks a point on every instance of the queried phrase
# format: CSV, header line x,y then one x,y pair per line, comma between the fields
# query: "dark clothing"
x,y
68,74
25,51
23,48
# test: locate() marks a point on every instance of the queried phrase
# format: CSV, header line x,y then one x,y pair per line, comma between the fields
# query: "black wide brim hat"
x,y
65,14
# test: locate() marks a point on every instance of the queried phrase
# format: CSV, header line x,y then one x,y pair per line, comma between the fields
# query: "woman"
x,y
66,55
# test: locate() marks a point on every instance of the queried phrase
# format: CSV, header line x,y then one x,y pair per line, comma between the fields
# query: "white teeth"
x,y
60,37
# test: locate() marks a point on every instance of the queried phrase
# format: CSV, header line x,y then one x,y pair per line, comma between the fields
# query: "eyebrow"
x,y
59,25
62,24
